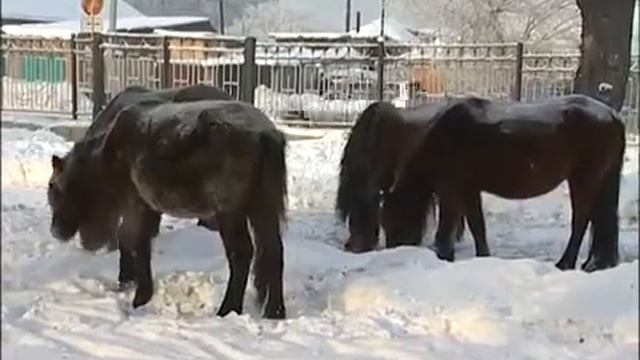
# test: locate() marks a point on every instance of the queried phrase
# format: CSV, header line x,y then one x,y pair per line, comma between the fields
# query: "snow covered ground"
x,y
57,301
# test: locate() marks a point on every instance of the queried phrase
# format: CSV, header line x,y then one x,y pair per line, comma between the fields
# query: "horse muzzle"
x,y
62,232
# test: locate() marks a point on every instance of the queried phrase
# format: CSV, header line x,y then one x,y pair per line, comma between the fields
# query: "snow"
x,y
58,303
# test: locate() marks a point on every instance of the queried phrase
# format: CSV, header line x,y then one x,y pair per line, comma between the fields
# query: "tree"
x,y
261,19
605,48
542,24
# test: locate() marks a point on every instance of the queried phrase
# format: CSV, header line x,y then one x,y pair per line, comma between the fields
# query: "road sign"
x,y
92,15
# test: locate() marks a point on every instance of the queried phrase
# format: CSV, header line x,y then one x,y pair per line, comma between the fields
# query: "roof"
x,y
66,28
58,10
320,36
392,30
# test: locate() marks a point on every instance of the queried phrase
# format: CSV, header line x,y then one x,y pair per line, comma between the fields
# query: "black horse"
x,y
99,226
515,151
381,139
191,160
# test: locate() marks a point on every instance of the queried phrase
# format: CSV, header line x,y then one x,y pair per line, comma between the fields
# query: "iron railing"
x,y
307,83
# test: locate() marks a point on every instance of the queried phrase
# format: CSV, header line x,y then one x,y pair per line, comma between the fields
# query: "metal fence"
x,y
308,83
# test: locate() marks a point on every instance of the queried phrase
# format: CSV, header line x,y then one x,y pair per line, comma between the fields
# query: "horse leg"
x,y
127,274
459,231
140,224
364,226
448,218
210,223
239,251
581,204
269,263
604,251
475,219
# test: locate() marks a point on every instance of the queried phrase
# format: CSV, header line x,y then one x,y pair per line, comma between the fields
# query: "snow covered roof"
x,y
392,30
59,10
64,29
312,35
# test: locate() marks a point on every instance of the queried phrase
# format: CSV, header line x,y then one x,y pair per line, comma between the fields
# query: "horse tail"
x,y
356,184
604,220
269,210
274,171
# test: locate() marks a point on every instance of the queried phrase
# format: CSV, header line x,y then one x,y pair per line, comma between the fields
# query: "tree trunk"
x,y
605,48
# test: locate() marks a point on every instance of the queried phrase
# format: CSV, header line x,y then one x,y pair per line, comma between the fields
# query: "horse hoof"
x,y
276,313
142,297
356,249
565,265
594,263
448,256
222,312
483,254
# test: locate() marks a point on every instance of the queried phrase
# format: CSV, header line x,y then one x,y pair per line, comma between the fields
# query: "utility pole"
x,y
113,15
348,18
221,5
382,14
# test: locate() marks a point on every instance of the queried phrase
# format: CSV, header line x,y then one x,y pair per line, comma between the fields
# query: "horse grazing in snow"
x,y
201,159
382,139
99,226
516,151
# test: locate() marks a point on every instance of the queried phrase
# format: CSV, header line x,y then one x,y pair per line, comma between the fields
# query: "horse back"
x,y
574,114
231,114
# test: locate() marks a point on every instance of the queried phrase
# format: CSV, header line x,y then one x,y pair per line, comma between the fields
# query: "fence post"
x,y
248,81
74,78
517,93
380,69
97,57
165,80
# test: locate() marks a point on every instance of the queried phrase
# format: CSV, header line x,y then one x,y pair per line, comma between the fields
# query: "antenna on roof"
x,y
358,21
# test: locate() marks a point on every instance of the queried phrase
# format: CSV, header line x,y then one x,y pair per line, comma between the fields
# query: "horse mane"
x,y
412,192
107,115
355,183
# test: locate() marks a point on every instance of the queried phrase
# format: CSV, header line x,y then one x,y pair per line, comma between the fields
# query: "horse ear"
x,y
57,163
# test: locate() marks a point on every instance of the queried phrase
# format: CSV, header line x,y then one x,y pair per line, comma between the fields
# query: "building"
x,y
15,12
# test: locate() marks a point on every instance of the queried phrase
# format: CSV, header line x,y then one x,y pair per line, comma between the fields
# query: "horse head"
x,y
81,199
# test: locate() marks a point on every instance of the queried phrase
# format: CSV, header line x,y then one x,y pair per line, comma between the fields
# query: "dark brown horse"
x,y
381,139
190,160
100,225
515,151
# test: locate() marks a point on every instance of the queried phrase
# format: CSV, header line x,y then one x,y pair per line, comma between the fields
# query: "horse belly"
x,y
522,185
179,201
523,175
191,195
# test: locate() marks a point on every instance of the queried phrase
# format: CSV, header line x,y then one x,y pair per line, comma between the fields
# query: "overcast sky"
x,y
330,14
